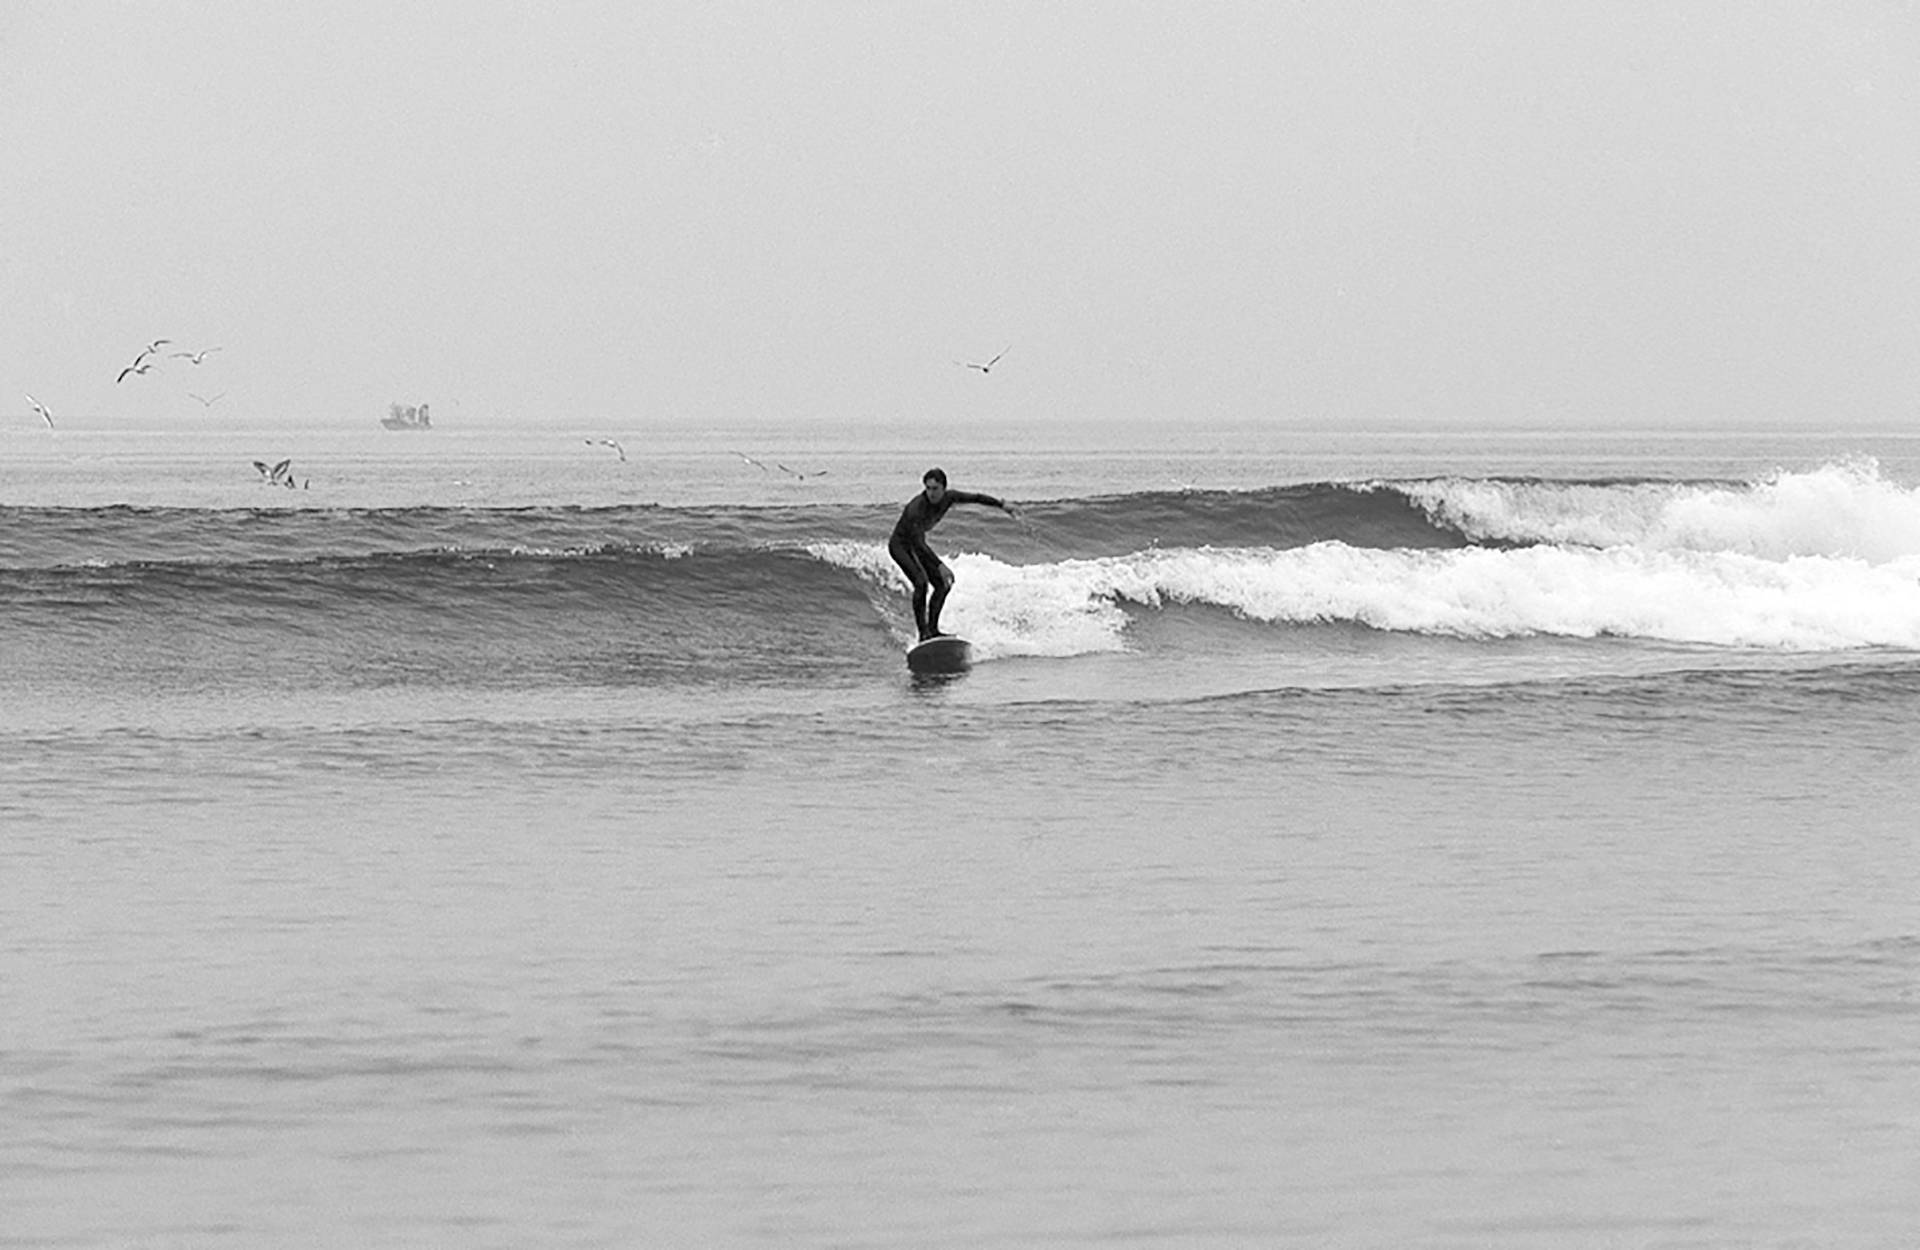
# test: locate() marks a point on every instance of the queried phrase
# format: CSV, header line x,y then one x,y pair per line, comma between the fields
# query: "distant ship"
x,y
404,418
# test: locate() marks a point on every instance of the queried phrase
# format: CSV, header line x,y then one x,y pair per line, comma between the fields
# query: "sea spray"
x,y
1843,509
1730,599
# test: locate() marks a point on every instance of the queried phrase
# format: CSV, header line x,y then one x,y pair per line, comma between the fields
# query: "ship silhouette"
x,y
402,417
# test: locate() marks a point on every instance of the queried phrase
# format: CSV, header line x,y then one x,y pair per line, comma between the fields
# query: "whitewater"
x,y
1476,838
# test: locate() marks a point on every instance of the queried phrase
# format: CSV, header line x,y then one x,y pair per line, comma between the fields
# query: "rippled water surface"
x,y
1242,931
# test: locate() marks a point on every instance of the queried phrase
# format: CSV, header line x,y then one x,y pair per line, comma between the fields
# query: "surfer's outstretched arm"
x,y
969,496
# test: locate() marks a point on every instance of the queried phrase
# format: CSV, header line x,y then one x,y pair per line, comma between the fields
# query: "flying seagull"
x,y
140,364
276,475
204,401
41,409
797,473
194,357
750,460
986,368
607,442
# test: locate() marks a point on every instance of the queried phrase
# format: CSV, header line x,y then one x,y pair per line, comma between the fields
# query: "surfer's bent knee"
x,y
923,568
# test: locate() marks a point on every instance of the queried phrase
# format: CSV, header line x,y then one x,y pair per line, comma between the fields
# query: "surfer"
x,y
931,579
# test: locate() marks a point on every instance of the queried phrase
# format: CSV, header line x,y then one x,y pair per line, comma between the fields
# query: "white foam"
x,y
1720,598
1847,509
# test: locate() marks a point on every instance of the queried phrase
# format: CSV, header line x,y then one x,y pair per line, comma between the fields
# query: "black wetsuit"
x,y
931,579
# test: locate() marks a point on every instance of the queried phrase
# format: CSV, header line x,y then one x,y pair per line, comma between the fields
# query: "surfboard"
x,y
945,654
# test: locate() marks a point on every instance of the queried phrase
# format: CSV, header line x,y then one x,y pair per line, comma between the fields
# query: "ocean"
x,y
1398,838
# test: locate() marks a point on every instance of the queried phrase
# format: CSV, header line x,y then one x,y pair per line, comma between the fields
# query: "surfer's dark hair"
x,y
935,475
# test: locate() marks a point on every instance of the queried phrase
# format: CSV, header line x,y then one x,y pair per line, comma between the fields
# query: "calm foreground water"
x,y
1364,840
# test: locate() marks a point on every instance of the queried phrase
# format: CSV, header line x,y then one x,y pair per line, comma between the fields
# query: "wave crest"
x,y
1848,509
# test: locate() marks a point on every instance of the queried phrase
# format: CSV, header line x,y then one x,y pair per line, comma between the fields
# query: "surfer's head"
x,y
935,480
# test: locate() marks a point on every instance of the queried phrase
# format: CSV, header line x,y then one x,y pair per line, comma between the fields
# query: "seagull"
x,y
797,473
986,368
136,367
607,442
193,357
750,460
150,349
276,475
41,409
204,401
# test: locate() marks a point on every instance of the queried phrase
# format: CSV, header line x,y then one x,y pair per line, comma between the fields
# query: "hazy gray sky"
x,y
1596,213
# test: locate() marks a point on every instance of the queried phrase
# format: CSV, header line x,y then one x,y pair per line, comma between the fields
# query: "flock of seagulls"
x,y
145,361
797,474
803,476
984,366
281,474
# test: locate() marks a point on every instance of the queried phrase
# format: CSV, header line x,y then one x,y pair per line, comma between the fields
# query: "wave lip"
x,y
1847,509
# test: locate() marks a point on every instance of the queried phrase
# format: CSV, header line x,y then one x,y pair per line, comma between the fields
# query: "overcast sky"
x,y
1593,214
